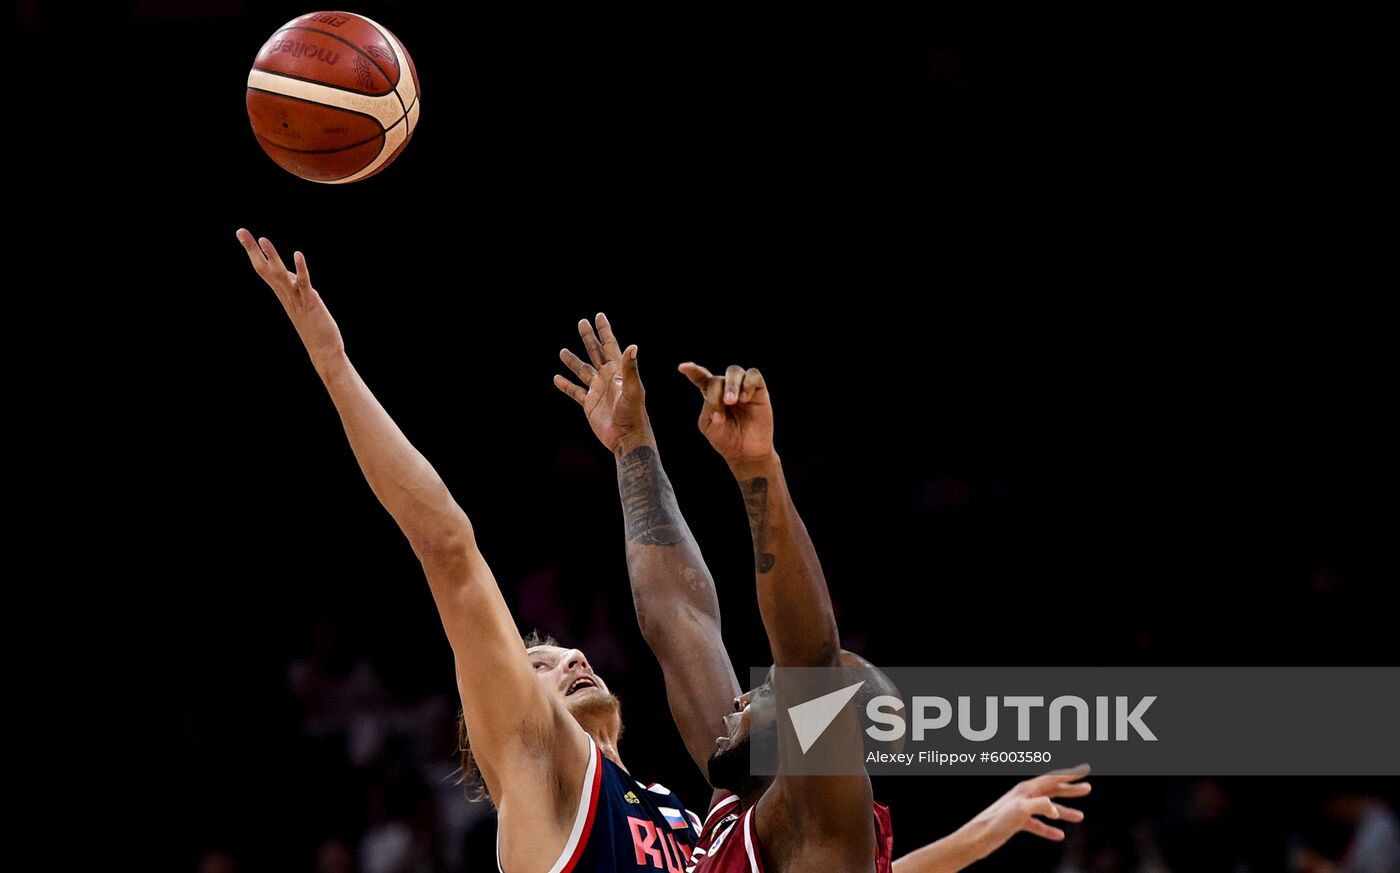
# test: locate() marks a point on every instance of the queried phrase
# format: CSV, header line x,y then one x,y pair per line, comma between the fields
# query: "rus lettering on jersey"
x,y
657,849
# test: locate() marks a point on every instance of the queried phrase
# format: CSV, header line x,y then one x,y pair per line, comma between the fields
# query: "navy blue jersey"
x,y
622,825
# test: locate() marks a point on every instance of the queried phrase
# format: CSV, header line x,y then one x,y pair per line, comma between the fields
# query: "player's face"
x,y
738,723
729,766
565,674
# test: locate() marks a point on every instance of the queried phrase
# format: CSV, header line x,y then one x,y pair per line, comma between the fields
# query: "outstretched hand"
x,y
1023,807
318,331
612,395
737,417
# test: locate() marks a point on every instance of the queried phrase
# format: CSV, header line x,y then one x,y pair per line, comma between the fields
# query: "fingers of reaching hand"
x,y
1071,789
270,251
631,379
753,387
733,381
1069,813
569,388
303,274
611,350
255,254
1050,809
1050,783
1044,806
1041,829
590,342
698,375
580,368
712,387
713,413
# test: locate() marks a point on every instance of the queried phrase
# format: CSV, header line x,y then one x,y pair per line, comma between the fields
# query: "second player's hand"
x,y
1024,807
318,331
612,395
737,417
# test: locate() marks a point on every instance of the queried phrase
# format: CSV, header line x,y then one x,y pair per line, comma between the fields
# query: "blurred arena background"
x,y
1067,316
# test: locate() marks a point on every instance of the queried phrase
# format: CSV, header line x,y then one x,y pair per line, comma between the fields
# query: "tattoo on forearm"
x,y
756,502
648,503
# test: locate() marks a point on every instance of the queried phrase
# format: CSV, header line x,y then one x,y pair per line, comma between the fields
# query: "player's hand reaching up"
x,y
612,395
737,417
309,315
1024,806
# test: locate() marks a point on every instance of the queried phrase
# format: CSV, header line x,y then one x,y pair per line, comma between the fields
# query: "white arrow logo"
x,y
811,719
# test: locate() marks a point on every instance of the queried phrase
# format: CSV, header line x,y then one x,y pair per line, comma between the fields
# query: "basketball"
x,y
333,97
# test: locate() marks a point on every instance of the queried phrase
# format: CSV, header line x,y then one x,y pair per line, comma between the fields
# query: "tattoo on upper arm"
x,y
756,502
648,503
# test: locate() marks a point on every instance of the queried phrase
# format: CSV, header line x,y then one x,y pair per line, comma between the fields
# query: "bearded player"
x,y
778,823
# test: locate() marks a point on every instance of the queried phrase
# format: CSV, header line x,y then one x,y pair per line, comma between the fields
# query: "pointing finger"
x,y
698,375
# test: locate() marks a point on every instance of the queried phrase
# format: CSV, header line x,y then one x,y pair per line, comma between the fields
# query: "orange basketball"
x,y
333,97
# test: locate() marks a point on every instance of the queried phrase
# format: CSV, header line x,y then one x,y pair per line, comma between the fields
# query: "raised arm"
x,y
799,818
502,702
737,419
672,590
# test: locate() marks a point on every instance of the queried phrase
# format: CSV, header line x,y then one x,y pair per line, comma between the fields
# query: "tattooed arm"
x,y
804,821
672,590
737,419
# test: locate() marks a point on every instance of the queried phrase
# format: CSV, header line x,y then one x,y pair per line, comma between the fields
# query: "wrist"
x,y
745,468
328,362
633,440
973,841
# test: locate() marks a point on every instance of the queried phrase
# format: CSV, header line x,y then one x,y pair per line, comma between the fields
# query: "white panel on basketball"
x,y
393,138
386,108
408,93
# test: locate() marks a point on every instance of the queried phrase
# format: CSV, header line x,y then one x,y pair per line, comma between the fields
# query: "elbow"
x,y
447,549
652,628
667,629
649,623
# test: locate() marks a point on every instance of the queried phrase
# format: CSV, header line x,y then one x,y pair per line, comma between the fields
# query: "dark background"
x,y
1072,321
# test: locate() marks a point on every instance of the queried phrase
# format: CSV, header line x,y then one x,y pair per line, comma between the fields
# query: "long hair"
x,y
470,774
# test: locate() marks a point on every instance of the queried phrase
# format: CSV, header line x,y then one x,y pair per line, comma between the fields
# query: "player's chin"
x,y
592,700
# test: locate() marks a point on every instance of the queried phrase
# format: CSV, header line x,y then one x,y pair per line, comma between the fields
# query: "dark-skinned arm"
x,y
800,818
672,589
